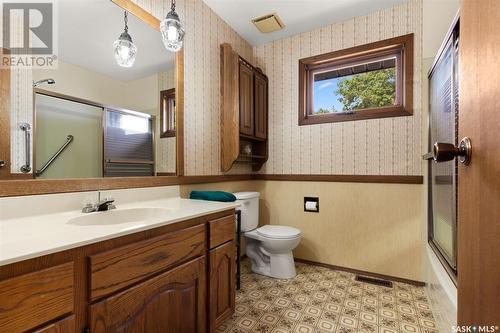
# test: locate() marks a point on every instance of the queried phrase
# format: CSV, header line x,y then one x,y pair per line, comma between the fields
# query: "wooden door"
x,y
479,189
246,100
66,325
4,122
170,302
260,106
222,275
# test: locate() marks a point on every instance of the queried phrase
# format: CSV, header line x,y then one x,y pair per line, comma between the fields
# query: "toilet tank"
x,y
249,209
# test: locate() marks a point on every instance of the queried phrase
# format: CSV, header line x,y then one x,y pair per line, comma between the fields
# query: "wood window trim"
x,y
165,115
404,107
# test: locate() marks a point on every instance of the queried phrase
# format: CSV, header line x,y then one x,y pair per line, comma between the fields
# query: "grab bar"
x,y
26,128
69,139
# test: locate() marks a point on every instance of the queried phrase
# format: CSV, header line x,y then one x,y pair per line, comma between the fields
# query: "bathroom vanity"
x,y
172,272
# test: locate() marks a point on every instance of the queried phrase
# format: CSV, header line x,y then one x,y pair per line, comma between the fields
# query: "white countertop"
x,y
33,236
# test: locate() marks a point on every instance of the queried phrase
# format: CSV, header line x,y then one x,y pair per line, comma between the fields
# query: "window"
x,y
364,82
167,113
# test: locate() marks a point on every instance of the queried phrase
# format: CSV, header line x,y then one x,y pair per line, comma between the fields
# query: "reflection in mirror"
x,y
92,116
57,154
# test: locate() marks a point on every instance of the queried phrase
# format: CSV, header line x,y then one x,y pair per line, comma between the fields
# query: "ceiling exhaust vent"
x,y
268,23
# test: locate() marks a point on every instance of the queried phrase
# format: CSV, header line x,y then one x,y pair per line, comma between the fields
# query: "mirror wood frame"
x,y
18,184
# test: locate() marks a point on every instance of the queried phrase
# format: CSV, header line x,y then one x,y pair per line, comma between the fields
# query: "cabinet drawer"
x,y
221,230
32,299
119,268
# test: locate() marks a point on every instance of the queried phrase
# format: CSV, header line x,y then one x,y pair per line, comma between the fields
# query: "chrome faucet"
x,y
101,205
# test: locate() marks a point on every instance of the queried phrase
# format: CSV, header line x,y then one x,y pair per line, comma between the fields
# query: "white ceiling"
x,y
298,15
87,30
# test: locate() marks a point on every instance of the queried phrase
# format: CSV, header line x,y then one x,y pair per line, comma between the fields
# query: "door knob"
x,y
442,152
2,163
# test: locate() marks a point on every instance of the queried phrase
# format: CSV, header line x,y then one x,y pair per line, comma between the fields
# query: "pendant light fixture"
x,y
172,31
125,49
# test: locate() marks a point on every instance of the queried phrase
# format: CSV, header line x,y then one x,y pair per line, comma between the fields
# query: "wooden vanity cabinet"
x,y
166,279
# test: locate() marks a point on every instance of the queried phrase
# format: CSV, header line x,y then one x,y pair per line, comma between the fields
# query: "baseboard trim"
x,y
360,272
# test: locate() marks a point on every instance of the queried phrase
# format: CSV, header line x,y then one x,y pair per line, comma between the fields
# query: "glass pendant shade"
x,y
125,49
172,31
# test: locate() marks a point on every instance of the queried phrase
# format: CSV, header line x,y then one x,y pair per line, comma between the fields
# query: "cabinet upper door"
x,y
260,86
170,302
246,100
222,283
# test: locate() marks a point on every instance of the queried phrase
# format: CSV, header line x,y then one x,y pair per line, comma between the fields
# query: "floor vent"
x,y
378,282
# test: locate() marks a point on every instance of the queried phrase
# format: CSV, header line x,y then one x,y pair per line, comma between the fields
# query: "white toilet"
x,y
269,248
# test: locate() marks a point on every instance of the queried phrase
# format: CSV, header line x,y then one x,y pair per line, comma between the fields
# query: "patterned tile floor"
x,y
323,300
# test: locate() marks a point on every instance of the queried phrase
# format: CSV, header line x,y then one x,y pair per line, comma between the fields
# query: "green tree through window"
x,y
367,90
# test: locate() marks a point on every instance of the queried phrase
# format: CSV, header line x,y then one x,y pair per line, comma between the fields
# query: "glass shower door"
x,y
443,177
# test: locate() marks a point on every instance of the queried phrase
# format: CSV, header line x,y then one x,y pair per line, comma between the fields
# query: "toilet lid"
x,y
278,231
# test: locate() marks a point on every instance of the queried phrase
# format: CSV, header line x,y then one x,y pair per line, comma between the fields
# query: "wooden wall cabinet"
x,y
244,112
179,278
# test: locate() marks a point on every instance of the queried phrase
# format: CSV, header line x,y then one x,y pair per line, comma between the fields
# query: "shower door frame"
x,y
451,40
104,108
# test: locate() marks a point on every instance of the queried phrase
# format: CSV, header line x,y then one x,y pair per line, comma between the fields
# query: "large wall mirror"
x,y
97,115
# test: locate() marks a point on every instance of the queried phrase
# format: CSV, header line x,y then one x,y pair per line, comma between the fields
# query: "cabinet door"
x,y
246,100
222,283
170,302
66,325
260,106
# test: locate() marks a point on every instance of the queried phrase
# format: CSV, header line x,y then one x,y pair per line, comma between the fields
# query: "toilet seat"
x,y
278,232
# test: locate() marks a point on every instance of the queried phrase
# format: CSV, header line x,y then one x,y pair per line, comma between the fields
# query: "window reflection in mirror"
x,y
167,113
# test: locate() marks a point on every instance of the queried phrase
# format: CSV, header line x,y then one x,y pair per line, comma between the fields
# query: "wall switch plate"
x,y
311,204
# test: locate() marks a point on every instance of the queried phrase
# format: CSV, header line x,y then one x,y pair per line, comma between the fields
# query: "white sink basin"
x,y
120,216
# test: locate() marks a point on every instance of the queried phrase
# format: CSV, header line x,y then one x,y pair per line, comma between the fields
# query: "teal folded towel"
x,y
212,196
